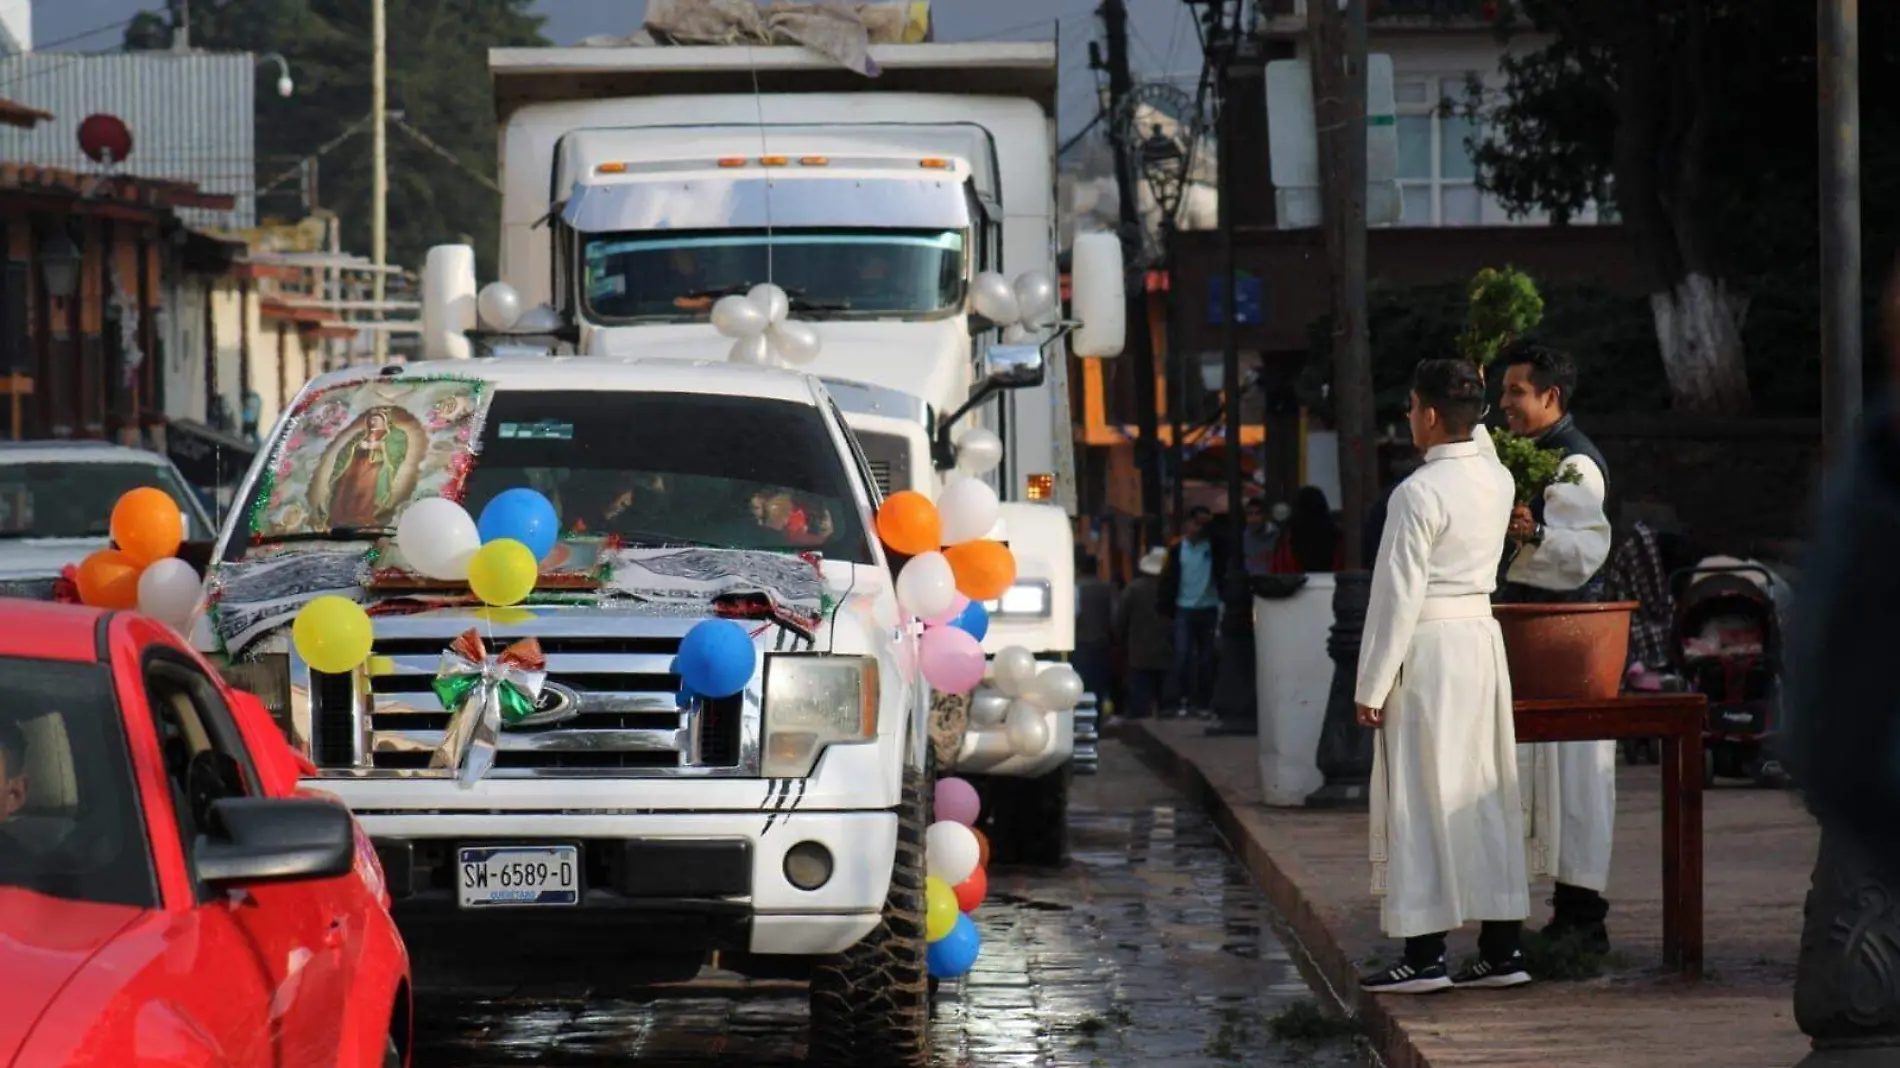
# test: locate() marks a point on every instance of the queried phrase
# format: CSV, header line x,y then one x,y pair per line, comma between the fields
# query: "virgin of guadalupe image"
x,y
363,477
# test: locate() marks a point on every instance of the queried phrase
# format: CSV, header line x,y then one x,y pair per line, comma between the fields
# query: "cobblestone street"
x,y
1153,947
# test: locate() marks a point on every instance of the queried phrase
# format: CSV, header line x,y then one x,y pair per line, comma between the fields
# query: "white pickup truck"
x,y
625,834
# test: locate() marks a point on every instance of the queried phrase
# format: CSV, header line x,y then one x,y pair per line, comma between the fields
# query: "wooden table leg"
x,y
1674,756
1689,927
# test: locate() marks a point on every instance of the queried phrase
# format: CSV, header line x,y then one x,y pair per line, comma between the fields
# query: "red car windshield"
x,y
69,818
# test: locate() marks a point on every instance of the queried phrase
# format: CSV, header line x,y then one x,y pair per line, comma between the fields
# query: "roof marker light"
x,y
934,163
611,168
813,161
773,161
732,161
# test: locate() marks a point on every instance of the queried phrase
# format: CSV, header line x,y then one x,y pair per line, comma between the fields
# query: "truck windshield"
x,y
675,275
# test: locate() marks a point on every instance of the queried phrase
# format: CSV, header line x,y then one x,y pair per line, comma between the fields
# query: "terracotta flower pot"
x,y
1566,651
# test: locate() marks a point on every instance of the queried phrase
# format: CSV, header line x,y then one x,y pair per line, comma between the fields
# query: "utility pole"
x,y
379,169
1841,342
1114,15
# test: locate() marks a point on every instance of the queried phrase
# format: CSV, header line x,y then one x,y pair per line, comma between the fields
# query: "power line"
x,y
425,141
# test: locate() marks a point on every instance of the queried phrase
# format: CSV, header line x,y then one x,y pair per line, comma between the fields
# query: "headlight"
x,y
1027,599
268,676
813,701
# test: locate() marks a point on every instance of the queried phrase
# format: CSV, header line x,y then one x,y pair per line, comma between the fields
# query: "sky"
x,y
1162,40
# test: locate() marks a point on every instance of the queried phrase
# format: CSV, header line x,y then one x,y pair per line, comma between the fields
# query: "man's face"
x,y
1526,408
12,787
1196,526
1256,516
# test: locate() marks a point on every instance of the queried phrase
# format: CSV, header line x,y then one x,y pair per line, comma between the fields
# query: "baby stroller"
x,y
1727,645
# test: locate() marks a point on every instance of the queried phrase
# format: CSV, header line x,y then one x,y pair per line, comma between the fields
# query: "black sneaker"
x,y
1489,975
1406,979
1591,938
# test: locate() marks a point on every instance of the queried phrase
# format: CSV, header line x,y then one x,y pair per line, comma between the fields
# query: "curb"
x,y
1322,959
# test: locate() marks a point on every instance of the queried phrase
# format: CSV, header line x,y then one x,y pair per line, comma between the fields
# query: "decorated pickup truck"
x,y
551,793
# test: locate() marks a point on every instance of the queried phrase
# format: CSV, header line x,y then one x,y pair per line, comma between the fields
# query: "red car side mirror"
x,y
279,764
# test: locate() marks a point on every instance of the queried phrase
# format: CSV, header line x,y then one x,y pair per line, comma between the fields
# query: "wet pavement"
x,y
1152,947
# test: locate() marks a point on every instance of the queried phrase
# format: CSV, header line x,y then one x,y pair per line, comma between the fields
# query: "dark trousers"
x,y
1195,647
1144,687
1090,661
1497,940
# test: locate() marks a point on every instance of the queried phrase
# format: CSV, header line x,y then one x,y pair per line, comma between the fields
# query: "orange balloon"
x,y
971,892
147,525
908,523
109,579
984,568
982,849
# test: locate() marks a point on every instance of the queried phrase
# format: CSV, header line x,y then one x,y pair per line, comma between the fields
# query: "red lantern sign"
x,y
105,139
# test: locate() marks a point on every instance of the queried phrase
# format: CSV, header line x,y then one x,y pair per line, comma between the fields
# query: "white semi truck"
x,y
641,184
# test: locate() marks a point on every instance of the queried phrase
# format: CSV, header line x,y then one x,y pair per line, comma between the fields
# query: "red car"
x,y
168,896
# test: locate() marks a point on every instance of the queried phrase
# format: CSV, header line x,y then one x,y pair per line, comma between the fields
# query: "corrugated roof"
x,y
157,193
20,115
192,116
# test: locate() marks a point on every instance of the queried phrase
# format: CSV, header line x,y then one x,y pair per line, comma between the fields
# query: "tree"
x,y
438,81
1694,121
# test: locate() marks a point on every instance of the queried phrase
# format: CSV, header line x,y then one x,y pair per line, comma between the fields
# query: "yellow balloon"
x,y
332,634
503,573
940,909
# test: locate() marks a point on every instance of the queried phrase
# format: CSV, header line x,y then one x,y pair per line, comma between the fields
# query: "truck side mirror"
x,y
448,302
1098,296
1012,367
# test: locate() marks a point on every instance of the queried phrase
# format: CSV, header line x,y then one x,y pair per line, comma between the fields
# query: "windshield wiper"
x,y
330,534
650,539
801,304
741,287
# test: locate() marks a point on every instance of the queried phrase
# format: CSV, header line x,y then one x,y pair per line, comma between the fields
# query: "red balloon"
x,y
971,892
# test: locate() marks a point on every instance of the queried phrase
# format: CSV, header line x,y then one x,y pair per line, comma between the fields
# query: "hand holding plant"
x,y
1533,469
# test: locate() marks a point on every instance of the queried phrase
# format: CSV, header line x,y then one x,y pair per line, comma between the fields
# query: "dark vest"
x,y
1564,435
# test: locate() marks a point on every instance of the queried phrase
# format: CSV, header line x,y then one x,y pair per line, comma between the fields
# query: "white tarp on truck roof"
x,y
841,32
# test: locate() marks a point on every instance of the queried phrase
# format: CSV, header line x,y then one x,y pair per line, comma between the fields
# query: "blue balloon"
x,y
717,658
525,516
953,955
975,619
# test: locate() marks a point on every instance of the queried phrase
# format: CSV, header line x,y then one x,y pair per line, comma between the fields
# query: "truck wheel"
x,y
1029,818
870,1005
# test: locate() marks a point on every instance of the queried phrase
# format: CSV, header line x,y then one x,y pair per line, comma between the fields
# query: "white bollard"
x,y
1293,678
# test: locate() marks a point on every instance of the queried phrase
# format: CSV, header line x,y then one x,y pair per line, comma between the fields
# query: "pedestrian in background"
x,y
1094,627
1261,539
1190,598
1147,650
1312,541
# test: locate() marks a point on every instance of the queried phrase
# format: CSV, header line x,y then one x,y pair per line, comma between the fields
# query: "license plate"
x,y
516,876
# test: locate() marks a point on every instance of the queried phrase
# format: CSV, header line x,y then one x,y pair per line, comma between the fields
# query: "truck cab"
x,y
626,833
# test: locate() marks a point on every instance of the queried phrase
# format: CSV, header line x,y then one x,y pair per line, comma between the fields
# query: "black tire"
x,y
870,1005
1027,820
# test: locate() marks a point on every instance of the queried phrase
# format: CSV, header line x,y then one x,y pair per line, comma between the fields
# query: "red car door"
x,y
265,963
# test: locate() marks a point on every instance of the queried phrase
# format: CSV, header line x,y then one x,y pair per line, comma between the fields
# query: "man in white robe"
x,y
1447,827
1560,545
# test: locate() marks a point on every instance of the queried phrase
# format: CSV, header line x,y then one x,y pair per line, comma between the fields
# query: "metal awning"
x,y
759,203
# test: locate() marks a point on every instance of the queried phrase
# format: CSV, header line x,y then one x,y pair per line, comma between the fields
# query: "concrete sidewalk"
x,y
1760,847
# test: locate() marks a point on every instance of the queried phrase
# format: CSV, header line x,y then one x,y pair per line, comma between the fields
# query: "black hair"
x,y
1311,530
1549,369
1453,389
1200,511
1254,504
13,748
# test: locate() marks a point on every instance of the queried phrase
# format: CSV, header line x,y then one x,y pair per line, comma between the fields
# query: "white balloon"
x,y
1057,688
737,316
438,538
754,349
1012,671
927,586
1015,334
168,592
1027,728
499,305
771,300
796,342
951,852
993,298
979,450
968,509
987,708
1035,298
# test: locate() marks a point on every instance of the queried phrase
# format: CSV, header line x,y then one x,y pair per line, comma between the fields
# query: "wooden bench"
x,y
1678,719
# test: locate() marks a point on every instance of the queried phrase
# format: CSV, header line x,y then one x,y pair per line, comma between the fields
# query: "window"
x,y
74,499
69,816
1437,178
204,756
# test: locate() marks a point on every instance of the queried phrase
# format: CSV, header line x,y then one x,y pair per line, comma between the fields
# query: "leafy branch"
x,y
1533,469
1504,306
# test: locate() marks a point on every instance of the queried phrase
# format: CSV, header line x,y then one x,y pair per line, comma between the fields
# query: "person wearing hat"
x,y
1148,649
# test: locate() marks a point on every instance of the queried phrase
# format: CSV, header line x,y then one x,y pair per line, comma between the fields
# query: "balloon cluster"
x,y
1028,304
499,557
716,659
1019,693
760,328
952,568
141,570
955,855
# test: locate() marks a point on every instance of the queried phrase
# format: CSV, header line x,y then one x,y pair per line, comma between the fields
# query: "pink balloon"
x,y
957,802
956,609
952,660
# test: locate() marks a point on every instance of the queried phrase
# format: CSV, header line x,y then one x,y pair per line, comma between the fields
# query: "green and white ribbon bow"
x,y
483,692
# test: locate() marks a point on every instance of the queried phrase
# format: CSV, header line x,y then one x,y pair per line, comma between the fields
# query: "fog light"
x,y
808,865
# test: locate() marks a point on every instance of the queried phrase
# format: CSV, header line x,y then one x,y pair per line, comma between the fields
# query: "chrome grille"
x,y
889,458
626,720
1087,751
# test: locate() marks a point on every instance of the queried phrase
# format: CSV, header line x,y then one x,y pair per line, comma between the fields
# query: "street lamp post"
x,y
59,264
1164,168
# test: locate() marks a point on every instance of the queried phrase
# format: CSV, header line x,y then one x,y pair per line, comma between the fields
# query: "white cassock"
x,y
1447,829
1570,808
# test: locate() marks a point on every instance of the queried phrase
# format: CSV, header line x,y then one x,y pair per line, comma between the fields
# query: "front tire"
x,y
870,1005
